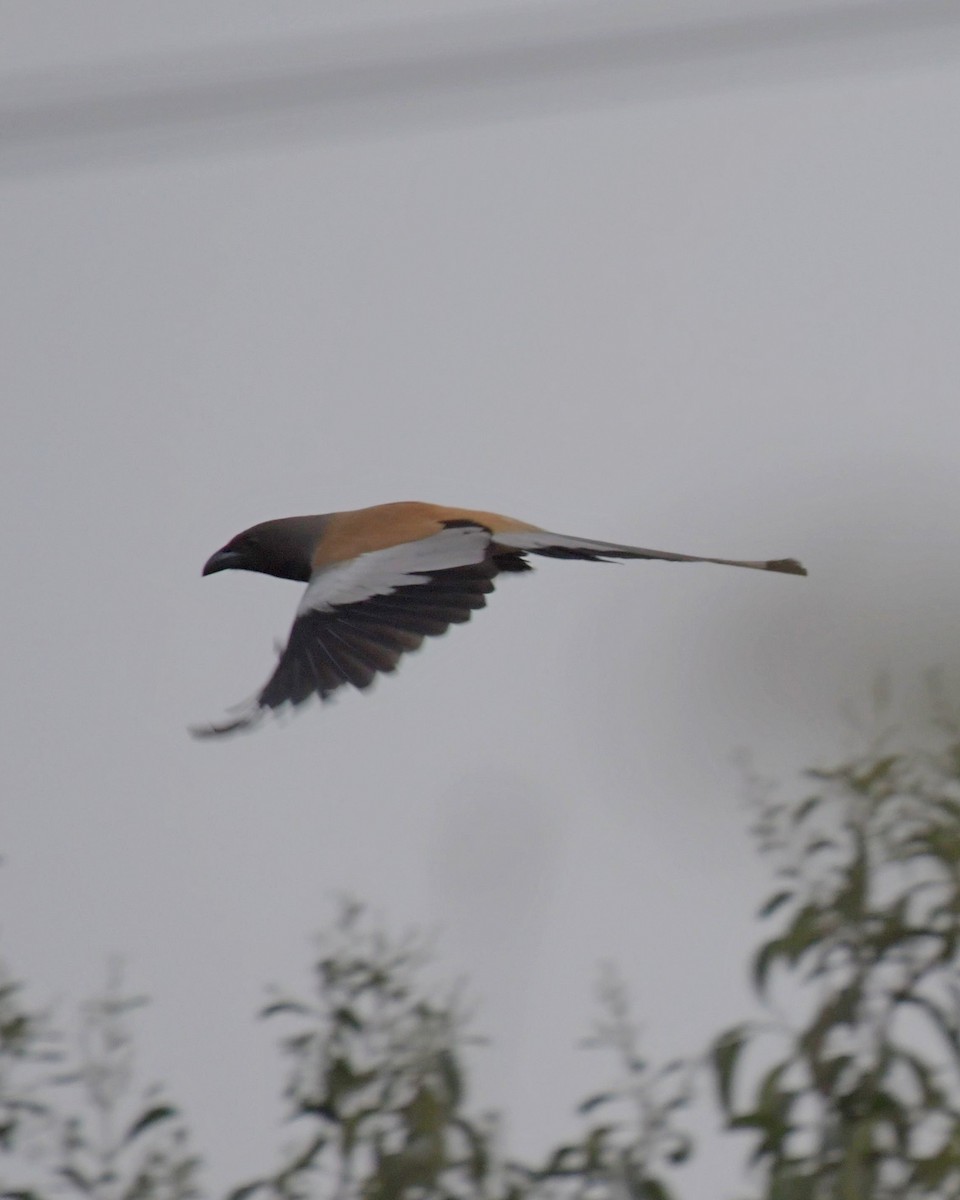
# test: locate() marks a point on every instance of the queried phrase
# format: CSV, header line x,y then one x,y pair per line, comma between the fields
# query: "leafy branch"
x,y
863,1099
93,1134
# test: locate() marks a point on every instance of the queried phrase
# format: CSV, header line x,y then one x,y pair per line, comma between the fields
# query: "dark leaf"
x,y
772,1100
725,1054
426,1113
795,1187
77,1179
559,1161
595,1145
749,1120
830,1071
681,1152
775,902
478,1163
247,1190
162,1112
650,1189
449,1071
341,1081
765,958
805,808
807,928
285,1006
866,781
839,1009
593,1102
346,1016
852,897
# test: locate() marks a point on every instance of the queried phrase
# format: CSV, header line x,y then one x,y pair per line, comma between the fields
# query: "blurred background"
x,y
681,275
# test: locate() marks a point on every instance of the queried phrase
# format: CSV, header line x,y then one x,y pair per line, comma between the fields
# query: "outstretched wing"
x,y
358,617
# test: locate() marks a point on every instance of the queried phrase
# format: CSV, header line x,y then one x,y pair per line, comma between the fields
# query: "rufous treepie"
x,y
379,580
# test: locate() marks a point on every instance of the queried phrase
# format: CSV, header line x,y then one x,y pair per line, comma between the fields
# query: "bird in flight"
x,y
379,580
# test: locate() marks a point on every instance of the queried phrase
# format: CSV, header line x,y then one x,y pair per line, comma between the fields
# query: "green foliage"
x,y
859,1094
26,1045
92,1133
848,1088
376,1091
377,1087
375,1078
633,1140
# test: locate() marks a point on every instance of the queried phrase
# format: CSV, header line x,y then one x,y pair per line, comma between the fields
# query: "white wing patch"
x,y
381,572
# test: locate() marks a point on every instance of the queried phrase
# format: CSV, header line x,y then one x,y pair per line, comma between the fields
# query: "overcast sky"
x,y
714,319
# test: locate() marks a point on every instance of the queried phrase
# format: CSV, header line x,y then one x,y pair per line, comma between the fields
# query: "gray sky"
x,y
716,320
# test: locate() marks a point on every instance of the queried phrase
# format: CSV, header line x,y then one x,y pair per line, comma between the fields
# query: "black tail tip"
x,y
787,566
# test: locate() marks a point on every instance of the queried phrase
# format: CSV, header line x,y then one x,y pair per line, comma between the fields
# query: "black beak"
x,y
223,560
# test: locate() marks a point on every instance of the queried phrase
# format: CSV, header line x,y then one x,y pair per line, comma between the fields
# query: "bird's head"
x,y
283,548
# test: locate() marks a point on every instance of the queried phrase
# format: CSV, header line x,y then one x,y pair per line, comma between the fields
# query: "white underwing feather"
x,y
381,572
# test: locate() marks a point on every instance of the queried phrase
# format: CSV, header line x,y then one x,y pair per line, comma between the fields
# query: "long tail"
x,y
561,545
